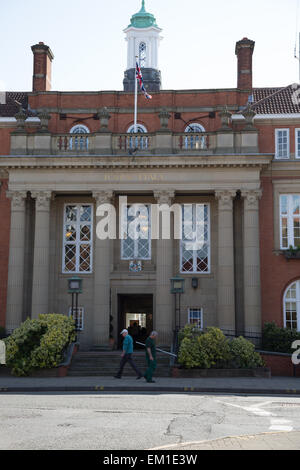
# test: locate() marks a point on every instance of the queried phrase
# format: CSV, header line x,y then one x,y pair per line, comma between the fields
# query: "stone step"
x,y
106,363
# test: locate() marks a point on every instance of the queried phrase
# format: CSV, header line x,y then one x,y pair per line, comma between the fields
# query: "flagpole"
x,y
135,98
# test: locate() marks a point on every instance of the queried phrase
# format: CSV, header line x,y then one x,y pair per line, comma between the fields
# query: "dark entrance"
x,y
136,315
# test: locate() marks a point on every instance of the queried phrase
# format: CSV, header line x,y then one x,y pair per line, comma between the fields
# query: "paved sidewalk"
x,y
267,386
264,441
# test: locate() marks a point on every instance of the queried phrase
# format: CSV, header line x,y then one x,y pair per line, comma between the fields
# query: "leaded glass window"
x,y
292,306
289,220
136,232
77,238
195,239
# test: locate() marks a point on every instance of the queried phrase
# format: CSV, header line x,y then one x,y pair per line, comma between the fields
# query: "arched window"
x,y
194,127
79,129
79,142
291,306
139,129
195,141
142,54
138,141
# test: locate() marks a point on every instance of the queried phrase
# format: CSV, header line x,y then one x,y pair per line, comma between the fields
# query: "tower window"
x,y
142,54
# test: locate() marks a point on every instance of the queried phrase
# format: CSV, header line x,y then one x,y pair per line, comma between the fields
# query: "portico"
x,y
50,184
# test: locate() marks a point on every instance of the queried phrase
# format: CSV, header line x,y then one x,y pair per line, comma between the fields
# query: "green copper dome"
x,y
143,19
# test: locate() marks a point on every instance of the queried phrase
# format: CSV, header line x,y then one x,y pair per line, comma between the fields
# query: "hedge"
x,y
277,339
39,343
211,349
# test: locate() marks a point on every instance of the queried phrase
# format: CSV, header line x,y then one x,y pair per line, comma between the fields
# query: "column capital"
x,y
164,196
251,197
225,198
17,199
103,197
43,199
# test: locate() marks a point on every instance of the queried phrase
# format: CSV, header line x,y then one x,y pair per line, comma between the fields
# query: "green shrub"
x,y
215,345
211,349
203,350
277,339
190,354
189,331
39,343
243,354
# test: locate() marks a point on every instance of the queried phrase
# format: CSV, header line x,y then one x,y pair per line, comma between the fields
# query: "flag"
x,y
139,77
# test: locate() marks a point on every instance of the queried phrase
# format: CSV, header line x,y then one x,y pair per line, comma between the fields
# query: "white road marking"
x,y
275,425
281,425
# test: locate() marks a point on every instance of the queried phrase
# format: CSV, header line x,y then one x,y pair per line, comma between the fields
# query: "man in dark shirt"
x,y
150,356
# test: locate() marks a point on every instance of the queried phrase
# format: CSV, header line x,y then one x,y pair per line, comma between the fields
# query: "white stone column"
x,y
102,271
15,283
226,284
164,319
40,281
252,293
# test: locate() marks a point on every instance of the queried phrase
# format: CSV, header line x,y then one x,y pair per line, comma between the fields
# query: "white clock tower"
x,y
143,38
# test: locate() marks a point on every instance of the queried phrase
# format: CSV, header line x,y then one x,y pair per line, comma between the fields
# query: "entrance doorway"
x,y
136,315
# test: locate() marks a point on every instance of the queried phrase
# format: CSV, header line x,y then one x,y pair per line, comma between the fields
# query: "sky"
x,y
197,51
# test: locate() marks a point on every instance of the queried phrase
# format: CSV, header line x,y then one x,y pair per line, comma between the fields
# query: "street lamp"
x,y
75,288
177,287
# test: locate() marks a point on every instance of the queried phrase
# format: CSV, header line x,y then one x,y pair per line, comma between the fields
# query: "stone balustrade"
x,y
163,142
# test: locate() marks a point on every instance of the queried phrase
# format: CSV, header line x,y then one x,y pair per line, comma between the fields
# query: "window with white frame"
x,y
138,141
194,127
79,139
297,143
78,316
136,232
195,238
195,317
79,129
77,238
140,129
289,220
291,306
282,143
197,141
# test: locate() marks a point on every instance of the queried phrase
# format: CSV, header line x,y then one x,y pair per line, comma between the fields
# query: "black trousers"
x,y
128,358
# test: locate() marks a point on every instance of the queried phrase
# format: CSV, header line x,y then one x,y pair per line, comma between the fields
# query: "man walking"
x,y
126,355
150,356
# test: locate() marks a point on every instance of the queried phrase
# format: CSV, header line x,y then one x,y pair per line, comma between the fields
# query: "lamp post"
x,y
177,287
75,288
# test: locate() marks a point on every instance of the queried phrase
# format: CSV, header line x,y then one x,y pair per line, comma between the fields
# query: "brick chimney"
x,y
42,61
244,51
